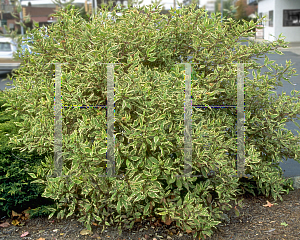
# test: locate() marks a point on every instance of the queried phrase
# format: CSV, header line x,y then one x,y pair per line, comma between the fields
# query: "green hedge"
x,y
16,191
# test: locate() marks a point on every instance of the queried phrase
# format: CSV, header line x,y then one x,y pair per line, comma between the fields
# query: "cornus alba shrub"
x,y
149,98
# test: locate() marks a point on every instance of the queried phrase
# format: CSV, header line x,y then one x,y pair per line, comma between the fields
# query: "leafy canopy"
x,y
149,95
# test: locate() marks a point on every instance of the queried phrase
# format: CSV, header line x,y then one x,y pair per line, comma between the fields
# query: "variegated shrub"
x,y
149,100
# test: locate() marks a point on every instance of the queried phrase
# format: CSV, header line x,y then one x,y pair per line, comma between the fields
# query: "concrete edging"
x,y
296,179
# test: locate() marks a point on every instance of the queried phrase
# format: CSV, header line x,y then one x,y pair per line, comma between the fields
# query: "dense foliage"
x,y
17,193
149,98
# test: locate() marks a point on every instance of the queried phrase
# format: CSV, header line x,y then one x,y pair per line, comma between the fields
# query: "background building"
x,y
283,16
41,10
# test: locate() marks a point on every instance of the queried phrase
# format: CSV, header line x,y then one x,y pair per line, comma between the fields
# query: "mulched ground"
x,y
256,221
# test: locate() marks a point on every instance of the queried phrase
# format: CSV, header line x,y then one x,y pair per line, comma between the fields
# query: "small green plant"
x,y
283,224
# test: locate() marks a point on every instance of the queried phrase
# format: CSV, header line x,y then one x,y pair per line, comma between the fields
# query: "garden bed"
x,y
257,220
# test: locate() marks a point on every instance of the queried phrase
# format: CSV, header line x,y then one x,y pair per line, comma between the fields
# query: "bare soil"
x,y
256,221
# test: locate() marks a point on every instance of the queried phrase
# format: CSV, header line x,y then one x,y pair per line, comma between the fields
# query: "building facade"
x,y
283,16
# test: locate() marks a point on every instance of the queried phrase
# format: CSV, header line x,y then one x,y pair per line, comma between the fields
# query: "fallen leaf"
x,y
24,234
168,221
15,222
96,236
14,214
85,232
5,224
268,204
157,223
26,213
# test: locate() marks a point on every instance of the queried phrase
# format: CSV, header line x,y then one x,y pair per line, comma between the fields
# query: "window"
x,y
260,15
291,17
3,22
271,18
5,47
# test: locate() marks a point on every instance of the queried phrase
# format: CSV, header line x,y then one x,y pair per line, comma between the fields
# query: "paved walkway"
x,y
292,47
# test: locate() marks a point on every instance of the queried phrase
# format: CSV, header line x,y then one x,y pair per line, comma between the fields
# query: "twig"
x,y
18,158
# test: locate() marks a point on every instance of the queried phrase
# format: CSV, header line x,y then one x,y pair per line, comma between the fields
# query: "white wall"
x,y
264,7
292,33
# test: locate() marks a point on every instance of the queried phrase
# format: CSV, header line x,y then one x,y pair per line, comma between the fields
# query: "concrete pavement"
x,y
293,47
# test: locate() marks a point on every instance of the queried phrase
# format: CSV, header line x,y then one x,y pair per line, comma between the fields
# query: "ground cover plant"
x,y
149,98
